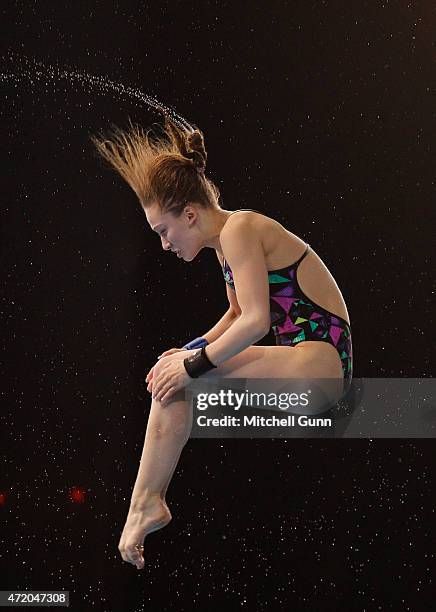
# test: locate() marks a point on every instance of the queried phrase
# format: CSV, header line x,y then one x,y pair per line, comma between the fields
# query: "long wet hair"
x,y
167,168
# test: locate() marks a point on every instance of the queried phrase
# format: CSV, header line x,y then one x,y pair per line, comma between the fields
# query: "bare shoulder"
x,y
242,222
242,238
251,229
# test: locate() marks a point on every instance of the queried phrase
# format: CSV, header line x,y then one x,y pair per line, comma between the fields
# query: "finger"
x,y
163,391
160,381
156,387
168,394
170,352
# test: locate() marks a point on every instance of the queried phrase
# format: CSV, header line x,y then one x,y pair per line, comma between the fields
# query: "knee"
x,y
171,420
173,429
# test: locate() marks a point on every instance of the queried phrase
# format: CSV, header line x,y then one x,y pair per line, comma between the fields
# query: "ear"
x,y
190,213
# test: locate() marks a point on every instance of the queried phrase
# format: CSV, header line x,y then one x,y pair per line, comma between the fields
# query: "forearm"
x,y
222,326
241,334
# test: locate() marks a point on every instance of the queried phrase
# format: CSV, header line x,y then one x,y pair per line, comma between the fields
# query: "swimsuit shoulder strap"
x,y
241,209
303,256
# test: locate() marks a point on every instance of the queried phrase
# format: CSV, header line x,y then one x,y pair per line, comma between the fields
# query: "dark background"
x,y
320,115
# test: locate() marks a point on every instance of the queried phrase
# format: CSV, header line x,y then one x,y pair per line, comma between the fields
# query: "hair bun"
x,y
195,140
198,152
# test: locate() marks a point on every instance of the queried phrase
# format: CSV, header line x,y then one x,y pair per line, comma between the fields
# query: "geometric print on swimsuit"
x,y
294,320
293,315
344,349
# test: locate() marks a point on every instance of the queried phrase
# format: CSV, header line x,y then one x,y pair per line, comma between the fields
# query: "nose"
x,y
165,244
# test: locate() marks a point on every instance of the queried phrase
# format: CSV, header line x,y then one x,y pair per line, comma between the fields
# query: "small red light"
x,y
77,495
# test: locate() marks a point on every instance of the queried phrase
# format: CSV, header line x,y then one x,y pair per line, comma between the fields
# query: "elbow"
x,y
265,329
260,326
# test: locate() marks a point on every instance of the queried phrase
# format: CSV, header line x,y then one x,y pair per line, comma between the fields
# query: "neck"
x,y
212,225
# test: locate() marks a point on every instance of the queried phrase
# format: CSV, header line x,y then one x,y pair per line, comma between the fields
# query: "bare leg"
x,y
163,493
168,429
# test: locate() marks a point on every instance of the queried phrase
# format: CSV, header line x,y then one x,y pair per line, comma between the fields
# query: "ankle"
x,y
146,501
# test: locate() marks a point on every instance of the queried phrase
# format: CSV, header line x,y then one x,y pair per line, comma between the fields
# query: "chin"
x,y
189,257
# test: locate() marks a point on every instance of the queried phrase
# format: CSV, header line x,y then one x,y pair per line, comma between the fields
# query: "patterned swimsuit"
x,y
296,318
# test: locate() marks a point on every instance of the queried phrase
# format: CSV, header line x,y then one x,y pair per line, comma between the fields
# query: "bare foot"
x,y
140,522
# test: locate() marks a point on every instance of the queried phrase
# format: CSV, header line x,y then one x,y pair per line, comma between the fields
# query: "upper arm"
x,y
231,294
244,253
233,300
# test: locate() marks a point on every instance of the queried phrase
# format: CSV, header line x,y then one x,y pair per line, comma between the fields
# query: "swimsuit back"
x,y
296,318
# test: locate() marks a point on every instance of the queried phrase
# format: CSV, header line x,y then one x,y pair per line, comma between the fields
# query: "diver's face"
x,y
176,233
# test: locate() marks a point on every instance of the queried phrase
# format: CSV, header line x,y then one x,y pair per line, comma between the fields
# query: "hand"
x,y
149,377
172,375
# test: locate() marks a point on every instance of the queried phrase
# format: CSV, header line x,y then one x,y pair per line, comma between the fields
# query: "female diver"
x,y
272,279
